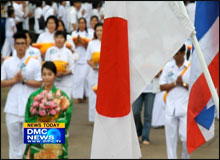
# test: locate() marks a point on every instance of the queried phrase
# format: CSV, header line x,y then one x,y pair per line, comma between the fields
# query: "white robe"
x,y
46,37
94,46
80,85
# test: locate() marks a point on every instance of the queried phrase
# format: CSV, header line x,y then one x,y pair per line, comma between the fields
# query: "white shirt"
x,y
93,46
37,14
19,14
177,98
70,41
55,7
71,18
62,54
47,11
19,93
31,51
46,37
10,24
91,33
62,14
88,12
80,49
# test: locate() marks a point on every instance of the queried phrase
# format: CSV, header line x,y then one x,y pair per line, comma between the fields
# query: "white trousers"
x,y
80,83
7,47
174,124
15,130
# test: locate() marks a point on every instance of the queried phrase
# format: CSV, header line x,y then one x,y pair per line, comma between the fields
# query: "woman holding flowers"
x,y
48,104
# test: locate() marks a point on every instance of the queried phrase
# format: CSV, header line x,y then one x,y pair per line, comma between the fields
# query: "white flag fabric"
x,y
156,31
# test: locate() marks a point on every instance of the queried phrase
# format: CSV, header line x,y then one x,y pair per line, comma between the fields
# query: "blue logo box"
x,y
44,133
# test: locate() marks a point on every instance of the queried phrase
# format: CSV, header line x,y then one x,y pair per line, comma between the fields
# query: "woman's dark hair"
x,y
182,49
55,20
97,25
10,11
94,16
85,23
48,3
39,3
62,24
57,33
49,65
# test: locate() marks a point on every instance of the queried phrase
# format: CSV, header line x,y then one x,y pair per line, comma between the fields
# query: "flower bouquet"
x,y
47,106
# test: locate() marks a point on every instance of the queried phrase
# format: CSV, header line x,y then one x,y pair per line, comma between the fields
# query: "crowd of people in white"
x,y
78,24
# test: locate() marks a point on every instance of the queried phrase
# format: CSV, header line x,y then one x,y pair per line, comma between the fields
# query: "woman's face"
x,y
59,41
48,77
99,32
93,22
60,26
82,25
51,25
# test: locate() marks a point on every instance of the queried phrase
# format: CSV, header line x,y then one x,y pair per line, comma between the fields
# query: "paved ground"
x,y
81,138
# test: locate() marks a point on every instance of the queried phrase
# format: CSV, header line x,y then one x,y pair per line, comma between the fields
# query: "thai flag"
x,y
200,117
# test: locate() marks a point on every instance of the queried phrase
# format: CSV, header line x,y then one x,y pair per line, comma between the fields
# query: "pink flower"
x,y
46,107
49,96
42,112
41,105
53,112
51,103
36,103
38,97
44,92
33,111
43,101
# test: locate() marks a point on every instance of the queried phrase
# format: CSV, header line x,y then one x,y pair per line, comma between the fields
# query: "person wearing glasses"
x,y
23,75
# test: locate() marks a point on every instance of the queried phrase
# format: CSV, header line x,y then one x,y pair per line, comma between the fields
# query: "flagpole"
x,y
206,71
203,64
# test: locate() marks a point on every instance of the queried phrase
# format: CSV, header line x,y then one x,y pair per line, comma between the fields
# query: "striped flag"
x,y
200,117
139,38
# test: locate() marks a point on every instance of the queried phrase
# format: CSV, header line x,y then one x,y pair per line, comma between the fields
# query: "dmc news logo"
x,y
44,133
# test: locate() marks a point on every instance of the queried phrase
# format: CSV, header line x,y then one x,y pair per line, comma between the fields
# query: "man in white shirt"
x,y
19,14
37,15
71,18
24,77
174,80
